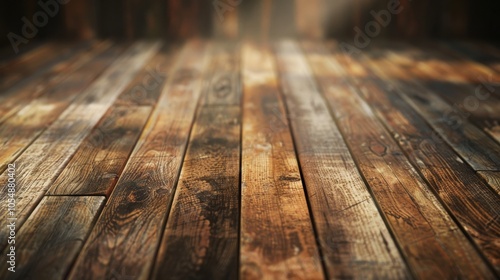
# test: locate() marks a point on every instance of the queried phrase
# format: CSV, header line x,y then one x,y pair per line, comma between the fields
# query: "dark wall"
x,y
180,19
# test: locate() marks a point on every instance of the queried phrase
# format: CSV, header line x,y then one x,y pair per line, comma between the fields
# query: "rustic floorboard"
x,y
238,160
203,221
277,237
352,234
127,234
462,192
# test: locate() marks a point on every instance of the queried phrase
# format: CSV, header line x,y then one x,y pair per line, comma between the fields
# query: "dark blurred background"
x,y
234,19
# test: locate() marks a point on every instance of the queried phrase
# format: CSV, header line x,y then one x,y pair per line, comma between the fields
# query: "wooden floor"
x,y
212,160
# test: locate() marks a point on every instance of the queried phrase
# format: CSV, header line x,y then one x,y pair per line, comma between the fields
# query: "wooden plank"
x,y
472,144
38,50
51,238
459,83
431,242
20,130
354,239
492,178
277,237
146,87
17,97
127,234
473,204
201,235
17,76
99,161
45,158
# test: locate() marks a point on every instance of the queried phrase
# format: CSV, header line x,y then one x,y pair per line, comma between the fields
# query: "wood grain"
x,y
431,242
277,237
354,239
51,238
126,236
203,220
46,156
473,204
99,161
22,128
492,178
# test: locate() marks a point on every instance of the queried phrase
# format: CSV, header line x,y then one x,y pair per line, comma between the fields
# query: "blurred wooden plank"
x,y
481,52
52,237
126,236
353,236
470,142
32,51
100,159
473,204
457,81
492,178
19,95
431,242
277,237
20,130
37,68
47,155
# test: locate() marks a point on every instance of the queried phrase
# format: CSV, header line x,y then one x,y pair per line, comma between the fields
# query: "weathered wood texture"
x,y
219,160
96,165
201,235
47,245
421,226
127,234
354,239
277,237
22,128
463,193
40,163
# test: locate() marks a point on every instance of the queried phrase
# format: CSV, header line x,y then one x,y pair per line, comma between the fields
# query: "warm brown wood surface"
x,y
420,224
206,230
22,128
61,225
275,215
250,160
352,234
97,164
40,163
464,194
127,234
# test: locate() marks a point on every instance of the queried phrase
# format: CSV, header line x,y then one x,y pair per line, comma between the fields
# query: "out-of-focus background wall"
x,y
257,19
